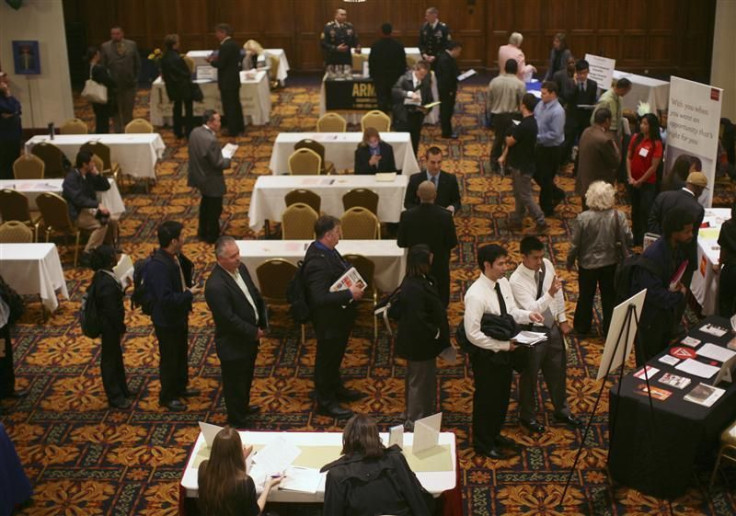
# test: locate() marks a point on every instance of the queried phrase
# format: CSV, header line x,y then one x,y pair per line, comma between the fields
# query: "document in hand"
x,y
529,338
229,150
297,478
124,271
347,280
467,74
432,104
276,456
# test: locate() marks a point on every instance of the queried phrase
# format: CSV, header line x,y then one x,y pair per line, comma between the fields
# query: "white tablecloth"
x,y
704,285
136,154
390,259
267,201
111,198
645,89
200,59
34,269
412,55
255,99
436,482
340,149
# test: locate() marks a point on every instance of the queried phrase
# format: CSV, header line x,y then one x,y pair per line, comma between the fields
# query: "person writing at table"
x,y
225,488
373,155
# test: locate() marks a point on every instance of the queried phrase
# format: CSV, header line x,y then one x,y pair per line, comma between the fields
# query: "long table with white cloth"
x,y
200,59
704,285
340,149
31,188
389,258
645,89
34,269
255,99
136,154
267,201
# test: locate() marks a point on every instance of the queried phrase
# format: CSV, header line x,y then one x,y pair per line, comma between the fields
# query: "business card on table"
x,y
690,341
669,360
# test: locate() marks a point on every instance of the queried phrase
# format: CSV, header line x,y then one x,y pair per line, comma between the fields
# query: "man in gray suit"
x,y
206,165
121,57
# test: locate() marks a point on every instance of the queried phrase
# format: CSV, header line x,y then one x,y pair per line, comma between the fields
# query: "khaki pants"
x,y
107,233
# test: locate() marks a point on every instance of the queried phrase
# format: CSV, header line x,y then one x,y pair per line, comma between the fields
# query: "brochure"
x,y
678,382
690,341
651,371
465,75
347,280
704,394
657,393
229,150
529,338
712,329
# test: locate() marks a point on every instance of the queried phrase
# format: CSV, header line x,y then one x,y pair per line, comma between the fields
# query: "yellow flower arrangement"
x,y
155,56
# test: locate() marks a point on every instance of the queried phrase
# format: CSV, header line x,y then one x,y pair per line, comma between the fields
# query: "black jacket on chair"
x,y
235,320
228,65
448,191
423,328
79,191
363,157
177,77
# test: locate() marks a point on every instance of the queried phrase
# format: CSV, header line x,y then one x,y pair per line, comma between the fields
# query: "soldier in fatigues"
x,y
338,38
433,36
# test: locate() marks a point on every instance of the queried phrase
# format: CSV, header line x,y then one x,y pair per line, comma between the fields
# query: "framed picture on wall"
x,y
26,58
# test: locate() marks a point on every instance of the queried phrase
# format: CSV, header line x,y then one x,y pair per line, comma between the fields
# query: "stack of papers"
x,y
529,338
696,368
388,177
715,352
705,395
229,150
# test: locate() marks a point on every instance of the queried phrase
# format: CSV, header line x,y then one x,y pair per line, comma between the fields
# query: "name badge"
x,y
643,152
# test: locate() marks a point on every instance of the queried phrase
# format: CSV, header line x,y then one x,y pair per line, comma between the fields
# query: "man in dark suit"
x,y
448,191
206,165
584,93
333,316
121,57
337,38
178,81
447,72
433,36
227,62
240,321
168,277
386,63
431,225
410,93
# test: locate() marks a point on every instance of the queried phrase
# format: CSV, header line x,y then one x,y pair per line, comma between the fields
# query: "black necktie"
x,y
501,302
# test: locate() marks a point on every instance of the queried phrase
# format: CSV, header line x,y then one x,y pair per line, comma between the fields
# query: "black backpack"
x,y
140,296
89,317
296,295
623,278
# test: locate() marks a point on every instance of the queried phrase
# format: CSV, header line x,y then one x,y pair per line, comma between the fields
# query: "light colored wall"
x,y
723,66
46,97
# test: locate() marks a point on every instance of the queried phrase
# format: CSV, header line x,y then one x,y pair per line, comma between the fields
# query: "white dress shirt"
x,y
241,283
524,286
481,298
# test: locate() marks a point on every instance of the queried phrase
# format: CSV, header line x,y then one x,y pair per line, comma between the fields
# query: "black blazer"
x,y
448,191
79,191
171,302
177,78
109,299
423,328
398,94
228,65
363,156
574,97
447,72
235,320
387,61
667,201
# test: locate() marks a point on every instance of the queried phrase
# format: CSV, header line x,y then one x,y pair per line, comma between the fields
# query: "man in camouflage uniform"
x,y
338,38
433,36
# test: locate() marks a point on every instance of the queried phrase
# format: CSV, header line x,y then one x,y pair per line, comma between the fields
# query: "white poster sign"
x,y
693,122
601,70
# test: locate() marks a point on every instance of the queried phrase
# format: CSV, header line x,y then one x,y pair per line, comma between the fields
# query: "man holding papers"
x,y
206,165
333,315
410,94
537,288
447,73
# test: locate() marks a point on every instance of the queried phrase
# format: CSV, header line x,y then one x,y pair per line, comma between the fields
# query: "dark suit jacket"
x,y
206,163
398,94
664,203
387,61
448,191
447,72
228,65
235,320
109,299
171,303
79,191
580,117
124,67
363,156
177,78
423,313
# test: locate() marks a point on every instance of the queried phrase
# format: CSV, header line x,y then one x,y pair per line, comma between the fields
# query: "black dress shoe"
x,y
344,394
175,406
190,393
533,426
494,453
122,404
505,442
252,409
334,410
570,421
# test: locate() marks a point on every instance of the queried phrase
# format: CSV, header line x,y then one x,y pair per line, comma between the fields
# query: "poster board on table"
x,y
601,70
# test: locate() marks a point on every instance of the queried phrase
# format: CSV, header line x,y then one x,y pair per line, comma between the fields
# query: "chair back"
x,y
317,147
74,126
138,126
378,120
273,279
273,72
358,60
28,166
14,206
305,162
15,232
190,63
55,213
365,267
102,151
297,222
360,224
303,196
361,197
331,123
53,159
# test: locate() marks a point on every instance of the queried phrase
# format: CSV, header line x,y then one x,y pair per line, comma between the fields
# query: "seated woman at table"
x,y
224,486
255,56
371,479
374,155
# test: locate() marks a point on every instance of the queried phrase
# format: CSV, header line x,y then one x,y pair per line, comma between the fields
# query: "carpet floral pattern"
x,y
85,459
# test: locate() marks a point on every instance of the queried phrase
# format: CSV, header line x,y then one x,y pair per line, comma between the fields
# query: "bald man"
x,y
432,225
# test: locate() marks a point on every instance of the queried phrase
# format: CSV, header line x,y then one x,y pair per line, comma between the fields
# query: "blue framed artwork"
x,y
26,58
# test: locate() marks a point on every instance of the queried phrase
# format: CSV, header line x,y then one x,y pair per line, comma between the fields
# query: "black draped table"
x,y
654,451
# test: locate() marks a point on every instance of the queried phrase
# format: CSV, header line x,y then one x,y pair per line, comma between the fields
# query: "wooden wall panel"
x,y
658,36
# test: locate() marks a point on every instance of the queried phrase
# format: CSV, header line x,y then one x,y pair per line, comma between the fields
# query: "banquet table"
x,y
389,258
645,89
200,59
34,269
136,154
31,188
340,149
704,285
255,99
267,201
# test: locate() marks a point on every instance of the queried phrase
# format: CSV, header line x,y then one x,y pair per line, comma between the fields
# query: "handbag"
x,y
94,91
622,252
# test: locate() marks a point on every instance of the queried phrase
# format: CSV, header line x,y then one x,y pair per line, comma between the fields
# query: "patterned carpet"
x,y
85,459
